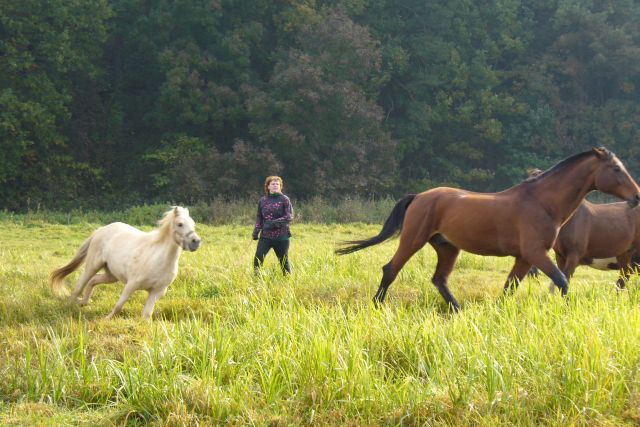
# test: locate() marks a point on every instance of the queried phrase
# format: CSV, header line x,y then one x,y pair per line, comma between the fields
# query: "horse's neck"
x,y
562,192
163,240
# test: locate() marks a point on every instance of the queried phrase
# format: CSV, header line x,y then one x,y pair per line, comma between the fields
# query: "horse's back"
x,y
481,223
117,236
453,203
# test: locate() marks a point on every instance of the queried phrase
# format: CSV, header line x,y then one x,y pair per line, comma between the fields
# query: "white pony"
x,y
146,261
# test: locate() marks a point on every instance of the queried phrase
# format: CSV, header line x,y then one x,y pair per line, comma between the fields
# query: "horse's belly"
x,y
604,263
486,247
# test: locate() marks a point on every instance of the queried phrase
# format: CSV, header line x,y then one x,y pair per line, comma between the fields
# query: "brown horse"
x,y
522,221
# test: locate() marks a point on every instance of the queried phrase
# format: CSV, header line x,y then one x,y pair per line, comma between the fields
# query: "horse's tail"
x,y
391,227
55,279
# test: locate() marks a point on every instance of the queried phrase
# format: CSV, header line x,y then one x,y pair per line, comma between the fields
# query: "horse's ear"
x,y
531,172
601,152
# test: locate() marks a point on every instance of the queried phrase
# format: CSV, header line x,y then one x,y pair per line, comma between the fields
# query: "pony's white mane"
x,y
164,225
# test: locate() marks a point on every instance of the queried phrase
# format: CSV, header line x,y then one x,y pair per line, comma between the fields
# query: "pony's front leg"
x,y
154,295
518,272
129,288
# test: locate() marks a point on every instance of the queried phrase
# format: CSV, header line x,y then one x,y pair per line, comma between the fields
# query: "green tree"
x,y
45,47
318,112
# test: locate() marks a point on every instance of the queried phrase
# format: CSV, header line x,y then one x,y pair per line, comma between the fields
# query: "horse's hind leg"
x,y
408,246
518,272
447,256
91,267
105,277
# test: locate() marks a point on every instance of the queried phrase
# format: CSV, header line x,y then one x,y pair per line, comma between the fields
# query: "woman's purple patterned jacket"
x,y
274,215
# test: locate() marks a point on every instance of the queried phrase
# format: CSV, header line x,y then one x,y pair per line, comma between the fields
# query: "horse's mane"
x,y
164,225
565,163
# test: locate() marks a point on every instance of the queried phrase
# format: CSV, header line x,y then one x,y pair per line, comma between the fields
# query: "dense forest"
x,y
107,103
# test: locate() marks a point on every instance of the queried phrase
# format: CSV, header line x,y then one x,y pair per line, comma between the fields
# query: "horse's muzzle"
x,y
634,201
194,243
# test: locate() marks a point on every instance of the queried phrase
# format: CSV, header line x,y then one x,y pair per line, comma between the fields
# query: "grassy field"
x,y
229,348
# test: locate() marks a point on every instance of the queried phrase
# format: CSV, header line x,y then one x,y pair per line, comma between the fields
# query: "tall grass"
x,y
227,347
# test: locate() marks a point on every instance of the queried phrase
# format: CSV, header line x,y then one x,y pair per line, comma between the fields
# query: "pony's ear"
x,y
176,211
601,152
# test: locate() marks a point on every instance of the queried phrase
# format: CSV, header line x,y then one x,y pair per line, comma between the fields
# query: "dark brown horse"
x,y
603,236
522,221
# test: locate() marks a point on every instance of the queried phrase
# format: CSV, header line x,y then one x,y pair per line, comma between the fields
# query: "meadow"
x,y
228,348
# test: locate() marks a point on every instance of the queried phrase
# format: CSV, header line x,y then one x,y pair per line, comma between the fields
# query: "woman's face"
x,y
274,186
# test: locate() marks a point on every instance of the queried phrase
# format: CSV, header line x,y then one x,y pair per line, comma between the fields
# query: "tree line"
x,y
106,103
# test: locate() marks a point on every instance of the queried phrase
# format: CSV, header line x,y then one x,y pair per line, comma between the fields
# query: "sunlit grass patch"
x,y
229,347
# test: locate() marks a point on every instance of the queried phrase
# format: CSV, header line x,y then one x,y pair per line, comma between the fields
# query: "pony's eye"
x,y
179,224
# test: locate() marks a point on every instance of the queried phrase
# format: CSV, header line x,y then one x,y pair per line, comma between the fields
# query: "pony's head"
x,y
612,177
177,223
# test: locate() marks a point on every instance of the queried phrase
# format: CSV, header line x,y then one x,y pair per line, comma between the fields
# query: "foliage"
x,y
108,104
46,46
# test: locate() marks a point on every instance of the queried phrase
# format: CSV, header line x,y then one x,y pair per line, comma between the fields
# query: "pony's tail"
x,y
391,227
55,279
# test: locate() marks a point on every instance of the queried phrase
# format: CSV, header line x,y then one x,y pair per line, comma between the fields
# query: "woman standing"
x,y
275,213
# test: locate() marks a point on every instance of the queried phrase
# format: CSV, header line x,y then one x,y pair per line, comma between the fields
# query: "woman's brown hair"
x,y
268,180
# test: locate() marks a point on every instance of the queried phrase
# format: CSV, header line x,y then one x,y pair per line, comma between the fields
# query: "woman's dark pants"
x,y
280,247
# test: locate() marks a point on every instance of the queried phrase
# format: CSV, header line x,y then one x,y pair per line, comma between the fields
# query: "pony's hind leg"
x,y
447,257
98,279
518,272
90,269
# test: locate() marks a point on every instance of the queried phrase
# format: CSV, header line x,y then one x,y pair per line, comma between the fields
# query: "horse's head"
x,y
183,229
612,177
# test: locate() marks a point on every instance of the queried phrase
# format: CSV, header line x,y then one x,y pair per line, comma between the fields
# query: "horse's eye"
x,y
179,224
617,169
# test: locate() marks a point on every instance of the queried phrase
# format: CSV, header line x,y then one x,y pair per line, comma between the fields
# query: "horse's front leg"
x,y
541,260
129,288
154,295
518,272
